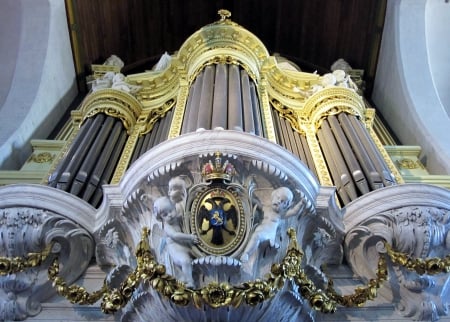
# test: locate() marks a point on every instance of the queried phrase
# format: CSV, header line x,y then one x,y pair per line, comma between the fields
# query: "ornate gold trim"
x,y
331,101
177,119
114,103
149,119
127,152
319,159
221,295
18,264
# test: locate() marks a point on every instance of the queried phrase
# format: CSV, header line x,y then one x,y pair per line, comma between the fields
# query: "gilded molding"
x,y
126,155
114,103
177,119
156,85
149,119
331,101
265,112
319,160
221,39
386,157
291,88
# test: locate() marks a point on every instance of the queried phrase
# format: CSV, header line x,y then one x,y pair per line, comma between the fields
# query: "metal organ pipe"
x,y
54,177
372,176
223,95
206,99
220,103
347,153
234,99
249,123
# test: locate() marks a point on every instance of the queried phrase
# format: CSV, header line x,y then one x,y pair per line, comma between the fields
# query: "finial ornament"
x,y
224,14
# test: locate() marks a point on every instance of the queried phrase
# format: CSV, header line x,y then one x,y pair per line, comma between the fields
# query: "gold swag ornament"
x,y
216,295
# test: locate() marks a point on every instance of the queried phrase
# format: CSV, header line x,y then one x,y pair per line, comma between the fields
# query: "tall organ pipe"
x,y
206,99
65,181
370,171
249,122
54,177
93,156
220,103
347,153
234,99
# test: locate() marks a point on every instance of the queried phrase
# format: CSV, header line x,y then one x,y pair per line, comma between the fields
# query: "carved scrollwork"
x,y
414,232
29,240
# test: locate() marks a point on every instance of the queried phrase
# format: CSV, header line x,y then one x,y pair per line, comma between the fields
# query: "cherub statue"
x,y
280,208
178,193
178,244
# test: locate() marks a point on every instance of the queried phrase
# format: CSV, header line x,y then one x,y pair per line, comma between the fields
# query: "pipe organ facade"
x,y
222,186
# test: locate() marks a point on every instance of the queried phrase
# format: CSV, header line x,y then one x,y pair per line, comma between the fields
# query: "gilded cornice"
x,y
114,103
157,85
289,87
223,40
331,101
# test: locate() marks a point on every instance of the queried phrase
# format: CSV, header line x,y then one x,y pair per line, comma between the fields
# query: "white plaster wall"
x,y
405,91
40,75
437,29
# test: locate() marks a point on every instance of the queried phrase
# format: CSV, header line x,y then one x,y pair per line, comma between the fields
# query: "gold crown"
x,y
217,170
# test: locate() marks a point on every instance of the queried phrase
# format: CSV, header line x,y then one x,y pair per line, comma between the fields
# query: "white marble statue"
x,y
178,244
281,207
163,62
120,84
104,82
177,194
114,60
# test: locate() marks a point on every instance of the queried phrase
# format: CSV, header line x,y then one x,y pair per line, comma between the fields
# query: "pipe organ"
x,y
219,187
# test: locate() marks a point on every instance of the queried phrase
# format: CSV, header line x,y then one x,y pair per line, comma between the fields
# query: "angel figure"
x,y
280,208
178,193
178,244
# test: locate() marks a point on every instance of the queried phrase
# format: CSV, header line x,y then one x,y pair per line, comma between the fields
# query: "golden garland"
x,y
218,295
421,266
18,264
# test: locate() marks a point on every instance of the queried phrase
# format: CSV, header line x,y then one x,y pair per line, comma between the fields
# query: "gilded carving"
x,y
42,157
126,155
114,103
410,164
177,120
